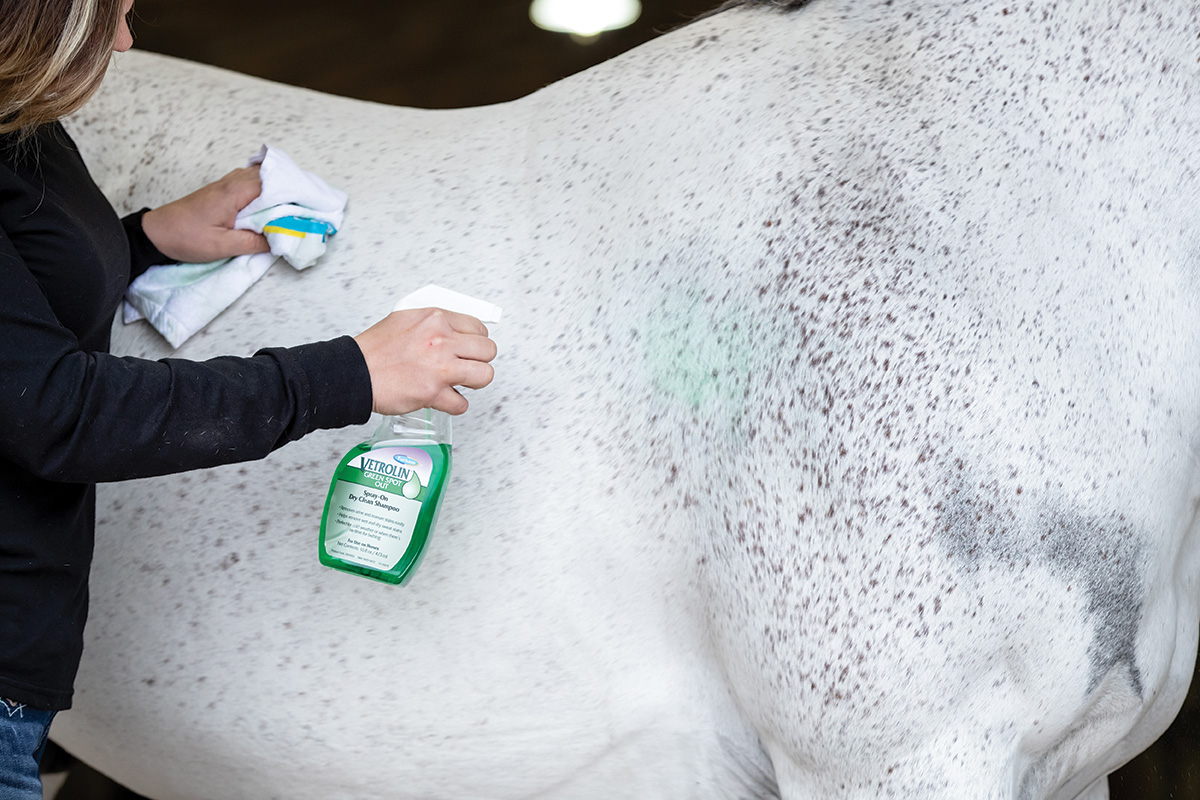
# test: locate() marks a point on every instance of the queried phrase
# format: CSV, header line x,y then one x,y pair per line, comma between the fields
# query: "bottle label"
x,y
374,504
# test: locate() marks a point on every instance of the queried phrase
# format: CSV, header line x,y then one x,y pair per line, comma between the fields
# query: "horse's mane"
x,y
785,4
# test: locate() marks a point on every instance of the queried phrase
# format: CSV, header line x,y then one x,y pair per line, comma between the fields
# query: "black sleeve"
x,y
86,417
142,252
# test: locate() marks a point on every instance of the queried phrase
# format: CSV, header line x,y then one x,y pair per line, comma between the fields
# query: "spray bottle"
x,y
386,492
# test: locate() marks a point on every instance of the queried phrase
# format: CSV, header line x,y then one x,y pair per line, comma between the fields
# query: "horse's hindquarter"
x,y
800,368
948,540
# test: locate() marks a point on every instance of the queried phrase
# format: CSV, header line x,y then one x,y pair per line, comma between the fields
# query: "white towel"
x,y
296,211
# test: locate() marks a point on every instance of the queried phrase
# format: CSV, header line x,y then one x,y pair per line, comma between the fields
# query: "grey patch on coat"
x,y
1099,554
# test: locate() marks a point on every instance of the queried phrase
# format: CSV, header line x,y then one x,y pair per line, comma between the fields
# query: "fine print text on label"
x,y
369,527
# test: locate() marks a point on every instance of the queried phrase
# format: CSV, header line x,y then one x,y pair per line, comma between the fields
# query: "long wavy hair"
x,y
53,55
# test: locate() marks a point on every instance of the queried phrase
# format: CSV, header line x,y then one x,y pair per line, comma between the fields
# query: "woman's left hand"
x,y
199,228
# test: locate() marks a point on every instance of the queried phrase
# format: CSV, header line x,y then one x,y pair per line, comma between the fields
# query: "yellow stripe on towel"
x,y
288,231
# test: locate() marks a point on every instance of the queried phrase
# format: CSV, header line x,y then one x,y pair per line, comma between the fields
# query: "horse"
x,y
843,441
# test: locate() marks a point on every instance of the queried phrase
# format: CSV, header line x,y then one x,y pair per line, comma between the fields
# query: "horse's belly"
x,y
522,660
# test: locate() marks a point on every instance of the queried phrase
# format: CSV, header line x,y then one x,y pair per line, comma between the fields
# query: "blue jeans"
x,y
23,733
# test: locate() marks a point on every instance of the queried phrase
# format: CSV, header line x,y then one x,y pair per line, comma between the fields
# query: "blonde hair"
x,y
53,55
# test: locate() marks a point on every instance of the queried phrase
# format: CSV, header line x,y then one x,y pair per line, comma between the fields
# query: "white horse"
x,y
842,445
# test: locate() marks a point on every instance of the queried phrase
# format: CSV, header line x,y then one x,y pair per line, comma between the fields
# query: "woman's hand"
x,y
417,357
199,228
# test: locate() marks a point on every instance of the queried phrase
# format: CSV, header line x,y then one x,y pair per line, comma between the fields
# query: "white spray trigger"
x,y
436,297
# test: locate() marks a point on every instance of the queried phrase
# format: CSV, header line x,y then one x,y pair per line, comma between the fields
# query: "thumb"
x,y
247,241
240,242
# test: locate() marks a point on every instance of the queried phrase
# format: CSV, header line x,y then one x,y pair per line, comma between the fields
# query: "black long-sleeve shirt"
x,y
72,415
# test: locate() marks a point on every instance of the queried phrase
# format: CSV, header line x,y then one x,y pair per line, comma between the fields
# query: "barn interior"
x,y
446,55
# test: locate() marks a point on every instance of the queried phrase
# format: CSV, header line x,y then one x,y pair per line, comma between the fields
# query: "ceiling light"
x,y
584,18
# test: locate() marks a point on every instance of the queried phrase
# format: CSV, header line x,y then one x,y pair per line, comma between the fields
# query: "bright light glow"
x,y
584,17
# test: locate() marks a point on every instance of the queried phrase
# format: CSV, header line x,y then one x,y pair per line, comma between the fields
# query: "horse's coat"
x,y
842,443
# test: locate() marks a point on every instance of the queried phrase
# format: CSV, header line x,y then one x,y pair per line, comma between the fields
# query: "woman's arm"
x,y
82,417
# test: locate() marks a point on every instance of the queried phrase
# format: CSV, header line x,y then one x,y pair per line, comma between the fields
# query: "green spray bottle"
x,y
386,492
385,496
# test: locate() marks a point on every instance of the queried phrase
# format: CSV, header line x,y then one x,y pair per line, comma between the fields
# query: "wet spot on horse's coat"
x,y
694,357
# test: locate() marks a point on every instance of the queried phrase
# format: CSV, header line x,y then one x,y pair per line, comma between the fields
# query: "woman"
x,y
72,415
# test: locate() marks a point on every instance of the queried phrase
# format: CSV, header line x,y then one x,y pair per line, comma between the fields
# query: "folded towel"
x,y
296,211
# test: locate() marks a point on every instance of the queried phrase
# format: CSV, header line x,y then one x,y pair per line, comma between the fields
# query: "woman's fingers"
x,y
244,185
475,347
463,323
450,401
473,374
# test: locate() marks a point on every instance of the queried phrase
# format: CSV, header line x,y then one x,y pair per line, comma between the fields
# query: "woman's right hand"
x,y
416,357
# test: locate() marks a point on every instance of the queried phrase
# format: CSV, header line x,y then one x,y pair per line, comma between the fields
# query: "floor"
x,y
67,779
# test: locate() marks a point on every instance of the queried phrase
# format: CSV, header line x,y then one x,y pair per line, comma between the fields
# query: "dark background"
x,y
453,53
438,54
